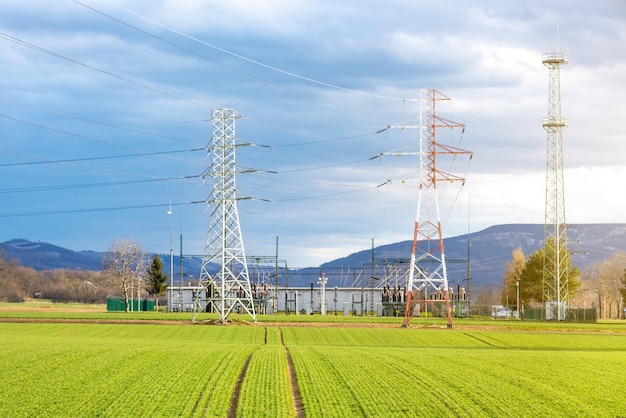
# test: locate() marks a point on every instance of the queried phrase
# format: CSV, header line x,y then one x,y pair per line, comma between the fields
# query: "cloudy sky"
x,y
105,113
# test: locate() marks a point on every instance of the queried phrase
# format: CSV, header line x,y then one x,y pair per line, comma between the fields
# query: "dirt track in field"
x,y
298,407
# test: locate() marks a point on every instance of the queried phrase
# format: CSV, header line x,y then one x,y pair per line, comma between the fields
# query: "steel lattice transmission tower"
x,y
428,282
556,256
228,289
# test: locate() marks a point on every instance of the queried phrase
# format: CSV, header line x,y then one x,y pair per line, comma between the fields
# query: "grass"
x,y
345,366
37,309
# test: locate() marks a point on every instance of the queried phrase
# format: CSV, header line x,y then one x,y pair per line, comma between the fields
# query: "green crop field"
x,y
91,369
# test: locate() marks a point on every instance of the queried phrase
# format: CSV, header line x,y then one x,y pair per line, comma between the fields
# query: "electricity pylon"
x,y
428,262
229,288
556,256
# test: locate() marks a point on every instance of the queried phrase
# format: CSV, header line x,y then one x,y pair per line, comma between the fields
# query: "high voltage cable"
x,y
71,160
99,141
150,154
178,96
282,87
175,95
244,58
24,43
331,194
90,185
350,70
321,141
71,163
95,121
296,170
68,211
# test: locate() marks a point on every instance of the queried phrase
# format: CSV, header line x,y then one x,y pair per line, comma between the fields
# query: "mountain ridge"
x,y
488,251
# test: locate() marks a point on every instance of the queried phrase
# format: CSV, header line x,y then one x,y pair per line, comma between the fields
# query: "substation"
x,y
419,285
423,288
318,300
423,285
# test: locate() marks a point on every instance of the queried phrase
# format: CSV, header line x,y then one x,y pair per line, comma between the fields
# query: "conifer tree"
x,y
157,280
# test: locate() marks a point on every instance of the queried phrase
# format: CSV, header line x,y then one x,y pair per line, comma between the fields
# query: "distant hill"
x,y
44,256
490,249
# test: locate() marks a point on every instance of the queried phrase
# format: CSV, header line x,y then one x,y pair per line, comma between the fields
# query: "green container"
x,y
115,305
147,305
134,305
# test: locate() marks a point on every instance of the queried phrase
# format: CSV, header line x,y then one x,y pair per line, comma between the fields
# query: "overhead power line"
x,y
175,95
86,210
90,185
189,51
95,122
239,56
72,160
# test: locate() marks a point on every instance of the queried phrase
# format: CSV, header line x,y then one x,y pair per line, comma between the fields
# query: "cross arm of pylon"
x,y
443,176
445,123
450,150
210,173
195,202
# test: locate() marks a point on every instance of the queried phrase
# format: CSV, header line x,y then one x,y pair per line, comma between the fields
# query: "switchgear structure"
x,y
427,283
228,289
556,255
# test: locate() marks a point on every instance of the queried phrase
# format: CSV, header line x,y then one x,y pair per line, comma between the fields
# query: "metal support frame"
x,y
229,289
556,256
428,262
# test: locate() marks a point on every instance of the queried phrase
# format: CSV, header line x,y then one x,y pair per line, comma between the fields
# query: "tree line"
x,y
125,269
600,286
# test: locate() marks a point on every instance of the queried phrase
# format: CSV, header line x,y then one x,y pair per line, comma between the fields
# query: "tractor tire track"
x,y
298,408
234,400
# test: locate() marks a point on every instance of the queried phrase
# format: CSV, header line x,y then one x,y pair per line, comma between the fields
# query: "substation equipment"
x,y
230,288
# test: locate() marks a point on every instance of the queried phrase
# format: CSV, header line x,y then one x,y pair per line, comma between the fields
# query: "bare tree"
x,y
123,263
602,282
87,292
608,282
484,299
512,273
587,296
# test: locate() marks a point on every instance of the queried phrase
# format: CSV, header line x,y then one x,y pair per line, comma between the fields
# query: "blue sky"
x,y
105,109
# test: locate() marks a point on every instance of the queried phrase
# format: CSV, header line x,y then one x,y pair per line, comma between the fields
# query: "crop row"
x,y
82,370
435,372
174,370
265,389
442,338
451,382
113,370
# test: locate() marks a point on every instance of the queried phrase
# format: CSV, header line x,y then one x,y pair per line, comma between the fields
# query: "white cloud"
x,y
486,56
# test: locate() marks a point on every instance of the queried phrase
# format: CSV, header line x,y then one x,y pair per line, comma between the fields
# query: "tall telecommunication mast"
x,y
428,263
228,289
556,256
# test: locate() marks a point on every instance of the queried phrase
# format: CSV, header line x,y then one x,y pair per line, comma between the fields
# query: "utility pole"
x,y
169,213
322,280
229,288
556,256
469,277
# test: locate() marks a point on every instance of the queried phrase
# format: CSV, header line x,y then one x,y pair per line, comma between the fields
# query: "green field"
x,y
90,369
